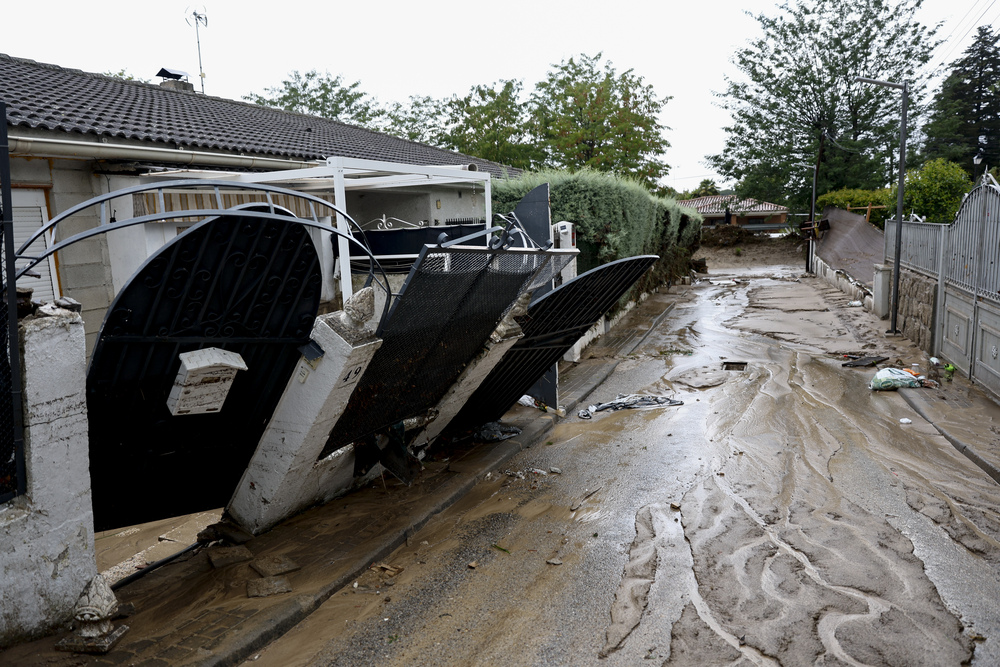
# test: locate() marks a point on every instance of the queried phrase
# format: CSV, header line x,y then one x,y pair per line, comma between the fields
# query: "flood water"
x,y
781,516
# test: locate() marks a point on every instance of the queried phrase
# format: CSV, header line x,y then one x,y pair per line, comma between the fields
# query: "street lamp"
x,y
899,193
977,160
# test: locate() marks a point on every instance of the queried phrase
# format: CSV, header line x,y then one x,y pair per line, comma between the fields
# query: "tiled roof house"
x,y
74,135
741,211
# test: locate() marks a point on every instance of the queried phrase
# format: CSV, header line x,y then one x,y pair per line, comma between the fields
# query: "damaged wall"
x,y
47,535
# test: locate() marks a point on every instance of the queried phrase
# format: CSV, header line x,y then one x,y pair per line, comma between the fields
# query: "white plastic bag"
x,y
889,379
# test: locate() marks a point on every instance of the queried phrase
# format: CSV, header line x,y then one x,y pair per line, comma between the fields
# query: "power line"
x,y
975,24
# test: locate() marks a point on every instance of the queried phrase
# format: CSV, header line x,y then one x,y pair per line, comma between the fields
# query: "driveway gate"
x,y
969,314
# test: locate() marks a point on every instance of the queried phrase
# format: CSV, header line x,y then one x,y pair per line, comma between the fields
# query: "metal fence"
x,y
13,480
921,246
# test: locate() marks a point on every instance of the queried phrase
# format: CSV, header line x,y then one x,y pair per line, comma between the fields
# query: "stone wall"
x,y
47,535
917,303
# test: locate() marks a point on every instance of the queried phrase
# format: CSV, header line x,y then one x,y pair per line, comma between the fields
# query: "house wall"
x,y
47,535
84,269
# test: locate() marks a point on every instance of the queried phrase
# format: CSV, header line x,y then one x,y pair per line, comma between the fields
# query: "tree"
x,y
590,116
706,188
492,123
934,191
422,119
796,103
965,113
321,95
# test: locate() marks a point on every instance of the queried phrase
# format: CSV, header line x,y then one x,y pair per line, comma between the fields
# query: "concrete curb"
x,y
964,448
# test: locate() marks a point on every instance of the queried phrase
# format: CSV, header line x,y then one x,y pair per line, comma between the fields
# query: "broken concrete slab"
x,y
223,556
271,566
262,588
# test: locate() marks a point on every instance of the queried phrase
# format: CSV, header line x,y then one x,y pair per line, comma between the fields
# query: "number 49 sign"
x,y
351,375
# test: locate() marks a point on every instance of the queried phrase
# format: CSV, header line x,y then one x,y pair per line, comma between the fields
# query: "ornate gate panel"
x,y
554,322
244,284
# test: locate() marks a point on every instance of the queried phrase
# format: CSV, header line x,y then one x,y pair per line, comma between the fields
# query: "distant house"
x,y
744,212
75,135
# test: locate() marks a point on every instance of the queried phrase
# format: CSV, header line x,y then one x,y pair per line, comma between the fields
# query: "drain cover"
x,y
734,365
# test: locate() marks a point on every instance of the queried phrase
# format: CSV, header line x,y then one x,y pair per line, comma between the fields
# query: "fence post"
x,y
944,236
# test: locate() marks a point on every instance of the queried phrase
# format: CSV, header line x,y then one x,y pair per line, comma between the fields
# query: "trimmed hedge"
x,y
615,218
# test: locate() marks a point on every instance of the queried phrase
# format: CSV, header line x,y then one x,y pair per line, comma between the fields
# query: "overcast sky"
x,y
436,47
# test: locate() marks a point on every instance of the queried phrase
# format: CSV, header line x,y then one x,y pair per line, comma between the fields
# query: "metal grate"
x,y
554,322
452,301
12,475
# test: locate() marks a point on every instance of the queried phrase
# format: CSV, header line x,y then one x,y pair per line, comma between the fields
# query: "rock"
x,y
554,561
473,565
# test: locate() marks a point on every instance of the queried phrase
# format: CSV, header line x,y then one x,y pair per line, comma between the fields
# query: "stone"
x,y
359,308
223,556
271,566
95,633
262,588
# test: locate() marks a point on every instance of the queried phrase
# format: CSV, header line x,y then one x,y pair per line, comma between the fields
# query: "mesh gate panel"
x,y
452,301
553,323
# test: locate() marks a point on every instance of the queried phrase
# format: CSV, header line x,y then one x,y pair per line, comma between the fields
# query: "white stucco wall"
x,y
47,535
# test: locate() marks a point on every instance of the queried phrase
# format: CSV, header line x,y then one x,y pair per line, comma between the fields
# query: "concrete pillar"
x,y
882,290
451,403
284,476
47,535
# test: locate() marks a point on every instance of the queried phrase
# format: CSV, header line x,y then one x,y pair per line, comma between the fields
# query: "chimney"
x,y
175,79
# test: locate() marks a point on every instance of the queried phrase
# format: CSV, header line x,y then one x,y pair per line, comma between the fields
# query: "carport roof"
x,y
717,205
48,97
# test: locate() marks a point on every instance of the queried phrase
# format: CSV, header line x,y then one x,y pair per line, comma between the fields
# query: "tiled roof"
x,y
717,204
55,98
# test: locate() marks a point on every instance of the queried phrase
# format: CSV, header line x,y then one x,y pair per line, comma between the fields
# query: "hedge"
x,y
615,218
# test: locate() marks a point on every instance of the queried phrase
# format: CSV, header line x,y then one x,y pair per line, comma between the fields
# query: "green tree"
x,y
125,75
934,191
321,95
492,123
590,116
796,104
421,119
965,113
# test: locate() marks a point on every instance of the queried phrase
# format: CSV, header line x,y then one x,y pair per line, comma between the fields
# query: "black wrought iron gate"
x,y
233,282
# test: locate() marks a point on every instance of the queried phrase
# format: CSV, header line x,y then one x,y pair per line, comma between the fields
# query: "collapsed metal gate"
x,y
453,299
246,280
553,323
968,318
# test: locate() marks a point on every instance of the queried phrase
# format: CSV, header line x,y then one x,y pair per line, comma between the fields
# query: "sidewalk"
x,y
190,612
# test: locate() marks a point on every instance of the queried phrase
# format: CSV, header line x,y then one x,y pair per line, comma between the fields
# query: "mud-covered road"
x,y
782,516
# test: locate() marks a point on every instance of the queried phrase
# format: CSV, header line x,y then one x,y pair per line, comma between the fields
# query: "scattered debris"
x,y
557,471
675,506
262,588
863,361
889,379
855,304
390,570
473,565
272,566
223,556
497,546
539,471
630,402
554,561
904,420
495,432
531,402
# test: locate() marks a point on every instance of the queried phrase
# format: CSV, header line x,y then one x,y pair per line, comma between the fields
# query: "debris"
x,y
495,432
855,304
531,402
889,379
631,402
223,556
94,610
391,570
586,495
497,546
262,588
272,566
473,565
675,506
538,471
554,561
863,362
555,470
904,420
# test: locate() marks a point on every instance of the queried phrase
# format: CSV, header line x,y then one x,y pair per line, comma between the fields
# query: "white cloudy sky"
x,y
436,47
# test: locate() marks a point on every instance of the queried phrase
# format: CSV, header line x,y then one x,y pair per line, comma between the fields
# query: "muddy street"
x,y
781,516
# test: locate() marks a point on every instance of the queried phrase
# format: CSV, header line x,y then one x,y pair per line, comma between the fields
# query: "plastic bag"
x,y
889,379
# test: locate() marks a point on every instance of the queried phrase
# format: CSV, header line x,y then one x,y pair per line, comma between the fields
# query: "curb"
x,y
962,447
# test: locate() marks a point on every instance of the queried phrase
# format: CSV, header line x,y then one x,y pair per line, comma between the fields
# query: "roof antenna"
x,y
196,18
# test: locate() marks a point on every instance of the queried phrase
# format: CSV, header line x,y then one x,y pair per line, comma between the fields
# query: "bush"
x,y
615,218
934,191
849,197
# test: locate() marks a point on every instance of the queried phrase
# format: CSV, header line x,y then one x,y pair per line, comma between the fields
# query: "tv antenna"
x,y
197,18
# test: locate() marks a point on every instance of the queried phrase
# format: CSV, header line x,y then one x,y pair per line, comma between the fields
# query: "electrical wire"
x,y
977,23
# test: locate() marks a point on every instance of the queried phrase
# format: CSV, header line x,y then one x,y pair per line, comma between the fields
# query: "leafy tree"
x,y
965,113
796,103
934,191
492,123
321,95
422,119
125,75
589,115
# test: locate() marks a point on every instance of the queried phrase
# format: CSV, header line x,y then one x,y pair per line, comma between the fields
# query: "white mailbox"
x,y
203,381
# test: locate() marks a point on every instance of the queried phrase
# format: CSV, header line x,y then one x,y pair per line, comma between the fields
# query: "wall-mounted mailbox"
x,y
203,381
